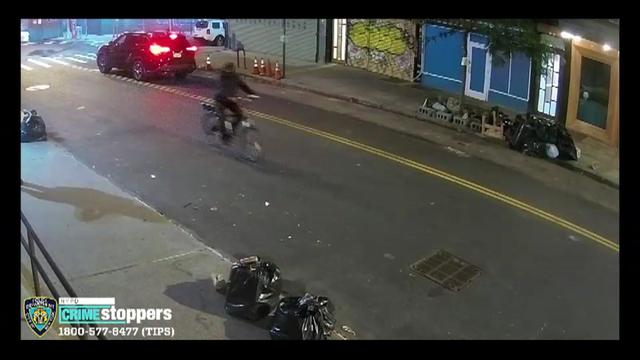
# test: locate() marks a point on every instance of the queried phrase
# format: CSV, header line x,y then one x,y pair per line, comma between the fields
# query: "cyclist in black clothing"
x,y
229,84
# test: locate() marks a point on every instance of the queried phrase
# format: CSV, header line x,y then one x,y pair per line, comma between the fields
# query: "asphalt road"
x,y
342,222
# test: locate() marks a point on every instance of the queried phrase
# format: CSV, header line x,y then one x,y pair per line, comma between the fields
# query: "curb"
x,y
596,177
284,84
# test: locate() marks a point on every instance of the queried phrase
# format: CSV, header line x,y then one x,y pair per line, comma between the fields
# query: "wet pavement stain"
x,y
92,204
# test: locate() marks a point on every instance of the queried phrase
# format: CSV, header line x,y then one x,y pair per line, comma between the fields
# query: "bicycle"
x,y
243,137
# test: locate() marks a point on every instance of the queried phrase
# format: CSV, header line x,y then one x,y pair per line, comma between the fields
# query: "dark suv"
x,y
145,54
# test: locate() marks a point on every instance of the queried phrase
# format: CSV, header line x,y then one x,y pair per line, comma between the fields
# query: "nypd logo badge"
x,y
40,312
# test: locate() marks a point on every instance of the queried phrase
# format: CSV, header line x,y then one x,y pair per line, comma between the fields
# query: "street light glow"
x,y
566,35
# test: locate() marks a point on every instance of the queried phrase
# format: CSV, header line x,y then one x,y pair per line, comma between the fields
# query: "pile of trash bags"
x,y
254,285
303,318
32,127
530,134
537,136
254,289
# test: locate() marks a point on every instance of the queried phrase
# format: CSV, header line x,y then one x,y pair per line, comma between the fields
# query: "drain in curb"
x,y
447,270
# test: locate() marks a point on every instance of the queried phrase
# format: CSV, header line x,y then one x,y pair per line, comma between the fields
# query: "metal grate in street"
x,y
447,270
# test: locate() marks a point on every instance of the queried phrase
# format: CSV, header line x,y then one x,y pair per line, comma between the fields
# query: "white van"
x,y
210,31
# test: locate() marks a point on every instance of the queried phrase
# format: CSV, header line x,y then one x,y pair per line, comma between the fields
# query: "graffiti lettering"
x,y
387,39
382,46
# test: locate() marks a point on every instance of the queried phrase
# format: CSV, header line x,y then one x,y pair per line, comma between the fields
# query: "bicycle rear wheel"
x,y
250,145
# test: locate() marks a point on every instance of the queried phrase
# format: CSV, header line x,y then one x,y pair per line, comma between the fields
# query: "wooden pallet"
x,y
493,131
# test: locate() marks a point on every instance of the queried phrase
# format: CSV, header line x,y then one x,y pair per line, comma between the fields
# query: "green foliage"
x,y
505,36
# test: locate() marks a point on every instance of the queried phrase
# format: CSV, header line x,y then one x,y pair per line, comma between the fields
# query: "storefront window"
x,y
593,104
549,83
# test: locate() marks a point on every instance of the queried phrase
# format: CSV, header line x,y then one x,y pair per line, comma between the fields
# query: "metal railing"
x,y
36,267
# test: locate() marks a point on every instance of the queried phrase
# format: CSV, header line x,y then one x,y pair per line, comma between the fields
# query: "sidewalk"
x,y
598,161
110,244
93,40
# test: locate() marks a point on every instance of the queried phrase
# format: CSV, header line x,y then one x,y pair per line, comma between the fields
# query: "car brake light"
x,y
192,48
173,36
157,49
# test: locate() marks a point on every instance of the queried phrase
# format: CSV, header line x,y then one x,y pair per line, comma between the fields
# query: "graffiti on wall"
x,y
383,46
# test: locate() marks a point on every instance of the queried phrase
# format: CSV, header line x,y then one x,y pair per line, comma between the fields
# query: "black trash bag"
x,y
303,318
508,125
536,133
519,132
32,127
542,129
254,287
534,148
530,134
287,322
566,147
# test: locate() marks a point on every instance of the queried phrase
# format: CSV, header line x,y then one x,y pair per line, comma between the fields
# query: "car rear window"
x,y
202,24
138,39
215,25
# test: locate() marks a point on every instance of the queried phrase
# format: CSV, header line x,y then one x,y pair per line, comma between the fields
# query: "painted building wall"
x,y
100,26
441,58
385,46
43,29
509,82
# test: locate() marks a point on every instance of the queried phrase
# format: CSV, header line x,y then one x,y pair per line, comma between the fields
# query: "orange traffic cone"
x,y
209,67
262,67
277,73
255,70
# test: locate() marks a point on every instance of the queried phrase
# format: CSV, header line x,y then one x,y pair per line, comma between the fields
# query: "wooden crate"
x,y
493,131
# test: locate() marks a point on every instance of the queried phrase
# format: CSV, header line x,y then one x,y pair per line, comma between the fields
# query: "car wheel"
x,y
219,40
138,70
103,66
181,75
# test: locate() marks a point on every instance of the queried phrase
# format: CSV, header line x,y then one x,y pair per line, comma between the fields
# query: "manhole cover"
x,y
447,270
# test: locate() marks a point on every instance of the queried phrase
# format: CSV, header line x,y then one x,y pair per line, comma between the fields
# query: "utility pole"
x,y
465,66
284,46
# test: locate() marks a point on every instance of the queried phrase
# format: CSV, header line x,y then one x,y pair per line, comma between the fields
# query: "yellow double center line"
x,y
446,176
434,172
